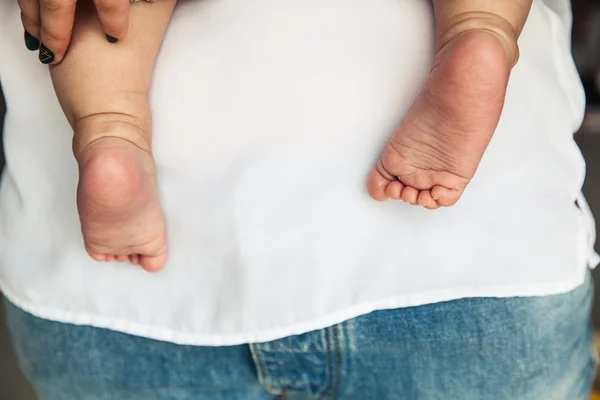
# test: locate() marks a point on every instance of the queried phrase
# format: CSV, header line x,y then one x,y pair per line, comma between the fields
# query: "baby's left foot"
x,y
434,153
117,197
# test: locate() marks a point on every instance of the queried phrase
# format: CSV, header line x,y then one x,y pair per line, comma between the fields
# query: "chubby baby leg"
x,y
103,87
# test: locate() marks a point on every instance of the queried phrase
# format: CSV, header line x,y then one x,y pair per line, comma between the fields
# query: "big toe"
x,y
154,263
444,196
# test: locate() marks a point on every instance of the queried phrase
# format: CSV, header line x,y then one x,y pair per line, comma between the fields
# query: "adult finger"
x,y
30,17
57,18
114,18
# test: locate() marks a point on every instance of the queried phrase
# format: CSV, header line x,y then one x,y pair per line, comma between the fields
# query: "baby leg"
x,y
103,88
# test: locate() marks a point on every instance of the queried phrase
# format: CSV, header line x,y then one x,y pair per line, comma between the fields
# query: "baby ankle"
x,y
485,22
90,130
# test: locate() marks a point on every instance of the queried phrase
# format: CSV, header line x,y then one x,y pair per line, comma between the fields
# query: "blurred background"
x,y
586,51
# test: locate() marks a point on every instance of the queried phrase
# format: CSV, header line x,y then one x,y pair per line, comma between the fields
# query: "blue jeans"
x,y
470,349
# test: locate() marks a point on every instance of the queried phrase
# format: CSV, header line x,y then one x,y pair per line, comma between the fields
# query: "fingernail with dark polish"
x,y
46,55
112,39
31,42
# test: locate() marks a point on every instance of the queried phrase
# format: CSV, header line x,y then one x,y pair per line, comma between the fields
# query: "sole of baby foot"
x,y
435,152
118,201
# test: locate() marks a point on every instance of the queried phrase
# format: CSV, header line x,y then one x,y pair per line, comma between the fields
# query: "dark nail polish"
x,y
46,55
31,42
112,39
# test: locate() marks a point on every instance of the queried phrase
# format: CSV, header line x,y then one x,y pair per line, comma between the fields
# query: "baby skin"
x,y
103,88
434,153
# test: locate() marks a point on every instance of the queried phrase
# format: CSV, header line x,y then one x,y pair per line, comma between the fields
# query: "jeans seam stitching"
x,y
261,368
338,362
333,376
329,365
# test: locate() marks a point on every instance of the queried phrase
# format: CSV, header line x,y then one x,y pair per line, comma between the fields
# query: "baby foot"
x,y
434,153
117,196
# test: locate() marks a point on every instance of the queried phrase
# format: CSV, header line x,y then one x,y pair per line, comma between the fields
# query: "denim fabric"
x,y
470,349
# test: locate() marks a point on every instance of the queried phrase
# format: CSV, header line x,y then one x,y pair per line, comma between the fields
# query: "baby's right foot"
x,y
117,196
433,155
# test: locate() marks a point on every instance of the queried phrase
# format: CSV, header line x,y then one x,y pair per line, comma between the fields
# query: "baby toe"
x,y
97,256
154,263
445,197
410,194
378,181
394,190
425,200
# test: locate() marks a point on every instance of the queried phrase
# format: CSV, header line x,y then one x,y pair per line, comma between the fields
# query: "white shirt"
x,y
268,117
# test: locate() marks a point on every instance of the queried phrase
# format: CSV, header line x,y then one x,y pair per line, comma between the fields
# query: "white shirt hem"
x,y
228,339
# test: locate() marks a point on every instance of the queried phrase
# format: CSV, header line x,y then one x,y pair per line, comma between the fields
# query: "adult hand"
x,y
48,24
